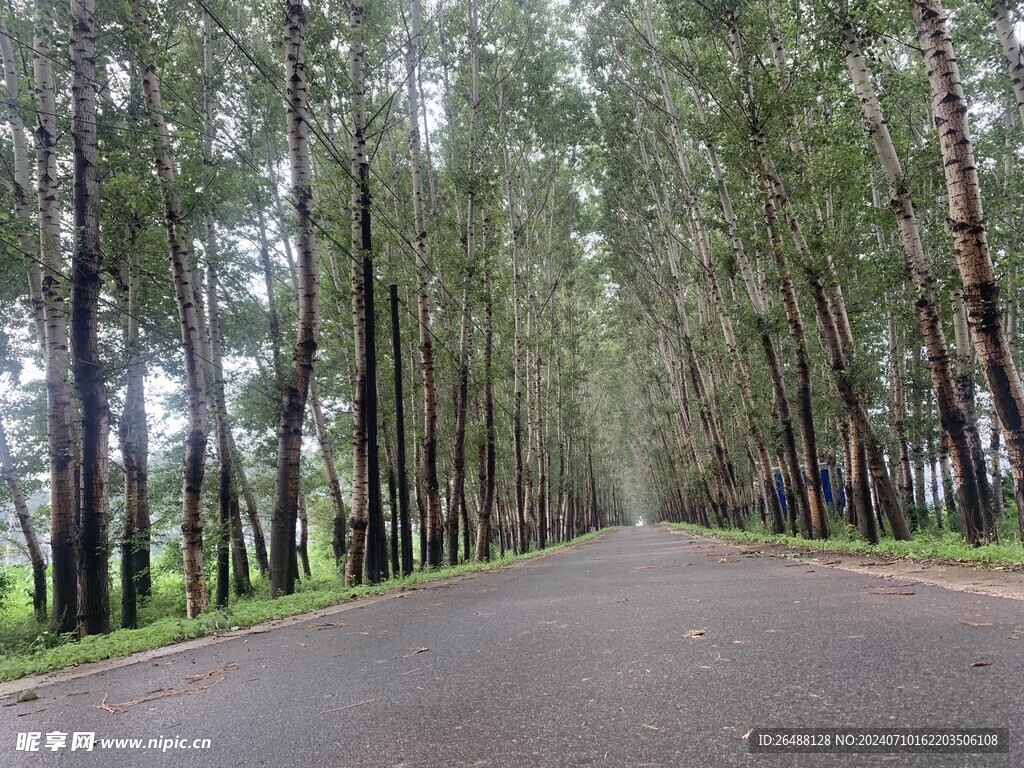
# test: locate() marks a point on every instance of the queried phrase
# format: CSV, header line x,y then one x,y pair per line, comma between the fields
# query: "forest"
x,y
305,297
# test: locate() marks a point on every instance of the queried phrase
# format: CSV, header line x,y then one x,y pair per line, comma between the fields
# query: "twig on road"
x,y
418,669
212,673
116,709
348,706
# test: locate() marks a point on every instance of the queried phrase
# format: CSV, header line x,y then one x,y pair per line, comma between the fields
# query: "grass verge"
x,y
929,544
313,594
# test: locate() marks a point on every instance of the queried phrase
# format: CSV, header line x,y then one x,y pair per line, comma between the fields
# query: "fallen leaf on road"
x,y
981,664
975,623
694,633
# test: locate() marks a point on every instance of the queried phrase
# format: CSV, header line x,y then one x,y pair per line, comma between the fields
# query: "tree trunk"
x,y
229,542
899,410
861,489
970,241
483,537
133,435
251,509
376,555
465,332
1007,33
948,488
997,471
302,545
273,317
289,430
86,285
21,183
330,470
356,553
542,468
61,411
518,531
179,241
391,473
430,526
35,551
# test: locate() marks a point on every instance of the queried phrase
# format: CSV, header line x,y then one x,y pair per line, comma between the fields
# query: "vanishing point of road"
x,y
644,647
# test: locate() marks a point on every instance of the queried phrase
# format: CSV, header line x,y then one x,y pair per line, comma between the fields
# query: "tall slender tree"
x,y
86,286
289,430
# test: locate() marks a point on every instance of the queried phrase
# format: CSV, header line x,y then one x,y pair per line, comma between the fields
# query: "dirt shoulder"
x,y
983,579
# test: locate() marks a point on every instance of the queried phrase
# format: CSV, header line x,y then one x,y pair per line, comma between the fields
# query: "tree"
x,y
287,488
86,285
951,411
35,551
970,240
421,239
192,325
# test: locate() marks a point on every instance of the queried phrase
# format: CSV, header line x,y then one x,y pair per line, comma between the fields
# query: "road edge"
x,y
980,579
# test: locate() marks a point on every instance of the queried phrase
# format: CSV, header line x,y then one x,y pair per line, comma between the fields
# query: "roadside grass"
x,y
928,543
28,648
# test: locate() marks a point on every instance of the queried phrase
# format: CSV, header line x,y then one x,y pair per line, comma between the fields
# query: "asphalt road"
x,y
578,659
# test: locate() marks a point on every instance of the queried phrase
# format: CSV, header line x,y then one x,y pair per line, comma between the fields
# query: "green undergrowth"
x,y
46,653
927,544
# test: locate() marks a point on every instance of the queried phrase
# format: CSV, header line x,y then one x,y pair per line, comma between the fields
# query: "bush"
x,y
6,588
